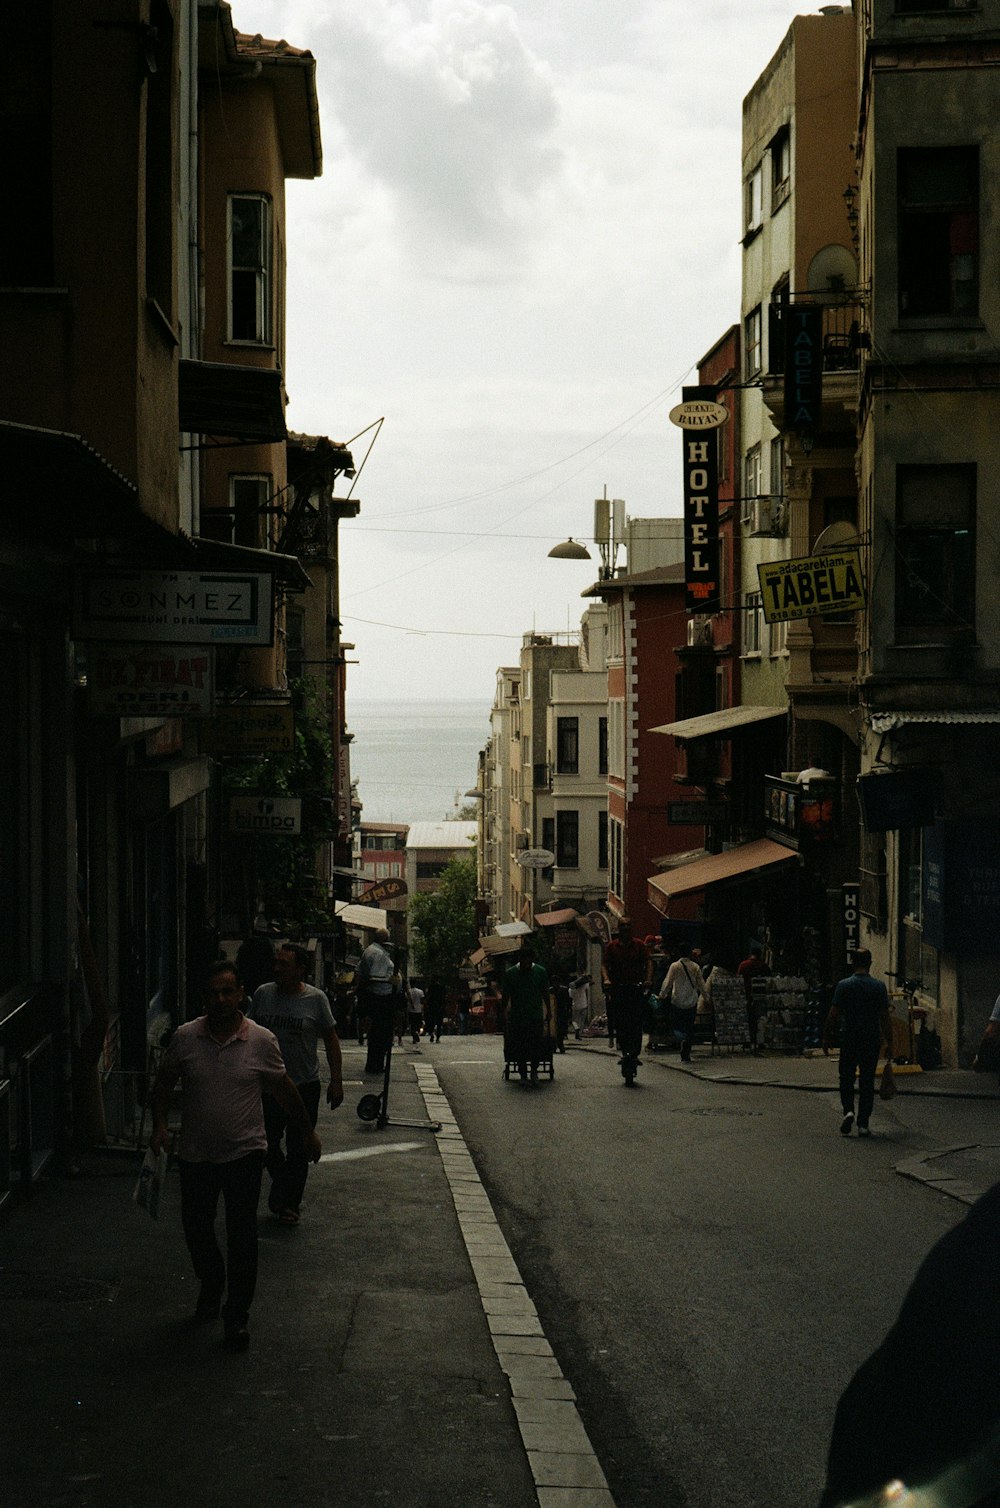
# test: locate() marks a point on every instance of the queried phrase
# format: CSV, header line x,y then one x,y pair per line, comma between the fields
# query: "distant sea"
x,y
414,761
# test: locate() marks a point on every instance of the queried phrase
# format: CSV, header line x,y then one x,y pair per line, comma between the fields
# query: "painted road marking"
x,y
356,1152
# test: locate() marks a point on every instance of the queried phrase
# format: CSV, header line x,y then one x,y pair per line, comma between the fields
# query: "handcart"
x,y
546,1066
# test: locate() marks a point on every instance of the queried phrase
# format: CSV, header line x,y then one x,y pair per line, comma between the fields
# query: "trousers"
x,y
629,1000
288,1165
858,1055
239,1184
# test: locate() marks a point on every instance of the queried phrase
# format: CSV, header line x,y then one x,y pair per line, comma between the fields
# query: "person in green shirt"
x,y
525,1009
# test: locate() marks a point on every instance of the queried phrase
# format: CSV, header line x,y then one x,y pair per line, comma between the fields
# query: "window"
x,y
568,840
616,738
250,268
938,230
781,167
616,867
935,553
602,840
26,249
751,480
777,638
915,7
753,621
753,210
776,483
752,343
602,746
568,745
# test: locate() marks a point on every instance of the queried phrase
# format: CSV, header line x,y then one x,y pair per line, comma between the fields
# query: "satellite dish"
x,y
836,536
832,271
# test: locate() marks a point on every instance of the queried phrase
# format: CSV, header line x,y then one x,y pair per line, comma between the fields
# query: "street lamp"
x,y
569,549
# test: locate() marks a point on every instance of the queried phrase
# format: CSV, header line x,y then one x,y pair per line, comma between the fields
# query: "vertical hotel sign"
x,y
700,416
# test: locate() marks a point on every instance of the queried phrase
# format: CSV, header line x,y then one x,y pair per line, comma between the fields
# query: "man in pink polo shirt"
x,y
224,1062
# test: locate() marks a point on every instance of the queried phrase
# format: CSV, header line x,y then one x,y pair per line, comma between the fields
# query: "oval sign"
x,y
699,413
536,858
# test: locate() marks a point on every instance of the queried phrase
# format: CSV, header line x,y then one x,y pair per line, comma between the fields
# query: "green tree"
x,y
282,872
444,922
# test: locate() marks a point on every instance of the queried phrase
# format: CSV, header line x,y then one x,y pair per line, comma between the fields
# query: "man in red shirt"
x,y
627,972
753,967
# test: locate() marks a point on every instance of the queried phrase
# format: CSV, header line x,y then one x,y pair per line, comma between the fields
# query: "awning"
x,y
672,860
884,722
369,918
721,724
287,569
555,918
229,401
61,488
512,929
494,944
477,957
736,863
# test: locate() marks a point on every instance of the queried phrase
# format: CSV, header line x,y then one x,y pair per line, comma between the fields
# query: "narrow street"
x,y
709,1262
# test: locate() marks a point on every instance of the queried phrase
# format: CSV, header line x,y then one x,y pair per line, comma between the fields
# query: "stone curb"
x,y
564,1467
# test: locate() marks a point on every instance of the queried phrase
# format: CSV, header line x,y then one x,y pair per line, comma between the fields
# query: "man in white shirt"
x,y
683,987
373,981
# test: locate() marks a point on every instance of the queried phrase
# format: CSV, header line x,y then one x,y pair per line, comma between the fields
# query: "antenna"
x,y
609,530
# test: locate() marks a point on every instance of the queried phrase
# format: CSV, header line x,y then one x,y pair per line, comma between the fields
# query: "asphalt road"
x,y
710,1262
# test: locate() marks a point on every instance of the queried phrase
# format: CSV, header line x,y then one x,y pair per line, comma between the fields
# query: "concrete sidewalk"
x,y
383,1367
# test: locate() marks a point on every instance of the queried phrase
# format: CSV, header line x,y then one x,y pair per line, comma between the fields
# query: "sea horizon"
x,y
415,759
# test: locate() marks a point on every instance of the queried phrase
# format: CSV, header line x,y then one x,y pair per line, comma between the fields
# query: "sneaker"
x,y
863,1130
847,1123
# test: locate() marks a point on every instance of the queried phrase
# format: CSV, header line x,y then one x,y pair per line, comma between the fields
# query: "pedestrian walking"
x,y
300,1017
415,1011
860,1009
752,967
579,999
255,961
683,989
374,982
224,1062
526,999
433,1009
626,970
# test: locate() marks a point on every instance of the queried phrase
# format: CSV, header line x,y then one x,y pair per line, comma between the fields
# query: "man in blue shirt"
x,y
861,1006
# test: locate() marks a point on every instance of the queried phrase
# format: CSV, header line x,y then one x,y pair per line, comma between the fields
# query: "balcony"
x,y
843,340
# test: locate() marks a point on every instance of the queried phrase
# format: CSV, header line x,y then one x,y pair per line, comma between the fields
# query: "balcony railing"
x,y
844,337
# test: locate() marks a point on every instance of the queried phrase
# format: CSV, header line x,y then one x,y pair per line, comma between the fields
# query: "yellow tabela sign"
x,y
245,729
816,584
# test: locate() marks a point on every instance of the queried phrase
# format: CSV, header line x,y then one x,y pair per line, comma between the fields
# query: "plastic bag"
x,y
148,1191
887,1083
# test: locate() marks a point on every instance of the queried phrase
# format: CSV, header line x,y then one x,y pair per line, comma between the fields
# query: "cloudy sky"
x,y
525,236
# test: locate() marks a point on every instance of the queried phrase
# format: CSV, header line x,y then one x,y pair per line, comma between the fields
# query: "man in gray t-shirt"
x,y
299,1015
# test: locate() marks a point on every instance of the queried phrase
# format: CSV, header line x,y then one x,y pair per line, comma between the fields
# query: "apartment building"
x,y
929,674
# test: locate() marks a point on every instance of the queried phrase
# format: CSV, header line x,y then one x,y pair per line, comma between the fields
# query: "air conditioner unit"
x,y
521,840
699,633
767,516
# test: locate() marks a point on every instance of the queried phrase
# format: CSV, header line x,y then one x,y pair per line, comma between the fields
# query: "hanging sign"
x,y
699,413
701,512
248,728
803,367
536,858
175,607
141,681
267,816
384,890
814,585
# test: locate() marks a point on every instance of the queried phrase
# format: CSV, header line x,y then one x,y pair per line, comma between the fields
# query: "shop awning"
x,y
512,929
229,401
369,918
722,724
555,918
884,722
287,569
494,944
735,864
